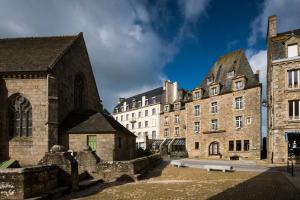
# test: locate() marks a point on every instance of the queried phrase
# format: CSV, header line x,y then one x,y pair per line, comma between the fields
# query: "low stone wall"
x,y
112,170
20,183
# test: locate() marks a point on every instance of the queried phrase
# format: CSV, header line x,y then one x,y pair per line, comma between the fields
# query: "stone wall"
x,y
226,125
20,183
27,150
279,94
111,170
107,147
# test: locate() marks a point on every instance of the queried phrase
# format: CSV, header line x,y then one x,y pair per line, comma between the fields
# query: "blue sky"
x,y
136,44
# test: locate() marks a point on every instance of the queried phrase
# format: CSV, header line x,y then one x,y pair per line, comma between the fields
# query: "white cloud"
x,y
193,8
126,53
287,13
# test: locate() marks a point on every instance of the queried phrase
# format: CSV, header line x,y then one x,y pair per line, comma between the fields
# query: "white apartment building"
x,y
140,114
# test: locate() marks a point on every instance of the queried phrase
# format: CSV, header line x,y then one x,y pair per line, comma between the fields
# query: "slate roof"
x,y
91,122
236,61
278,45
33,53
157,92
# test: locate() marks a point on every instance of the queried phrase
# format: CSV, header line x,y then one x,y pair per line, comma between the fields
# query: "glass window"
x,y
196,145
166,108
231,145
238,145
20,117
146,113
214,91
214,148
292,50
166,132
146,102
121,118
239,85
214,124
176,119
176,131
238,122
214,107
140,114
197,110
238,103
293,78
140,124
294,109
153,134
196,127
197,95
153,111
230,74
246,145
166,120
146,123
153,100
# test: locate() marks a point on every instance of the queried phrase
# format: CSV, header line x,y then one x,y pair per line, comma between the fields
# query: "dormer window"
x,y
239,85
214,91
292,50
139,104
197,95
176,106
146,102
230,74
209,80
153,100
127,107
167,108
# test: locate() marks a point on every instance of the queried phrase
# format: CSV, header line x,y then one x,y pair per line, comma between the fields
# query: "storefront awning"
x,y
179,142
156,142
167,142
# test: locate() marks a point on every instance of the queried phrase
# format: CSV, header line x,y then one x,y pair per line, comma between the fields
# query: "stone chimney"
x,y
121,99
257,74
272,26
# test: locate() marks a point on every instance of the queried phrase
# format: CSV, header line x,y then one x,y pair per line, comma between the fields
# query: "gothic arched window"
x,y
79,91
214,148
20,117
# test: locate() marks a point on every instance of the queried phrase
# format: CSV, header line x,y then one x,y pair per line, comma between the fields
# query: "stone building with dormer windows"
x,y
224,114
283,93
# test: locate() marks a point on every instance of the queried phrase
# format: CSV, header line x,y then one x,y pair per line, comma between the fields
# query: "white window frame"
x,y
197,110
166,122
196,127
177,120
238,121
214,91
292,50
197,95
239,103
295,83
239,85
177,131
214,124
293,116
214,107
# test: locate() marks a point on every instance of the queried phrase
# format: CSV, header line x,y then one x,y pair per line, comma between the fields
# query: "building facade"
x,y
42,80
224,114
283,86
173,120
140,115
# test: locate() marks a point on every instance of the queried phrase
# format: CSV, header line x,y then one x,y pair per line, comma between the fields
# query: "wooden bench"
x,y
177,163
223,168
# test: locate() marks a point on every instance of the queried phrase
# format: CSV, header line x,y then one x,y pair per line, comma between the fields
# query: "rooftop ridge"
x,y
40,37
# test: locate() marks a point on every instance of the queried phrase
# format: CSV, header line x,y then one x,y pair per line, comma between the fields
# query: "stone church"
x,y
43,81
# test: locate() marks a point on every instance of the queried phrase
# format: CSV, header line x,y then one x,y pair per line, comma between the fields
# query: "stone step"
x,y
89,182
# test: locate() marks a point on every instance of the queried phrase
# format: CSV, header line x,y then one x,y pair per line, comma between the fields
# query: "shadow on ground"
x,y
269,185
